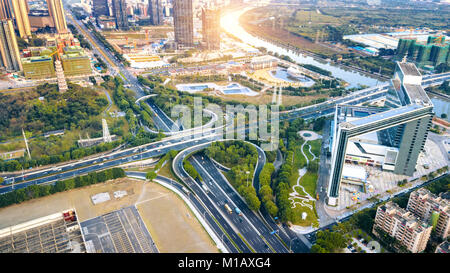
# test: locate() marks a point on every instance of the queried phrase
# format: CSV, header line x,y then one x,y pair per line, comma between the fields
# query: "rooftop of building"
x,y
417,94
441,201
404,216
381,116
36,59
409,69
74,55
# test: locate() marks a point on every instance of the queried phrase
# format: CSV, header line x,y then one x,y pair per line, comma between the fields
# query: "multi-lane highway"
x,y
246,232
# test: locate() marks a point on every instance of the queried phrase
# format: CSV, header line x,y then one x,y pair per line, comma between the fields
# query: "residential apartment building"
x,y
183,19
9,50
432,209
401,224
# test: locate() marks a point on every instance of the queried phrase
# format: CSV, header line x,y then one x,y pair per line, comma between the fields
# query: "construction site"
x,y
56,233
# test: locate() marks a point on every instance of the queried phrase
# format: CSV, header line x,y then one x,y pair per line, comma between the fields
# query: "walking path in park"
x,y
307,135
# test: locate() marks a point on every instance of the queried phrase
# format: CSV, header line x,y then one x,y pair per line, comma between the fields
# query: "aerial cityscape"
x,y
225,126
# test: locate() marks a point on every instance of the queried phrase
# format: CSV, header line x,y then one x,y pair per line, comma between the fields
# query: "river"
x,y
230,22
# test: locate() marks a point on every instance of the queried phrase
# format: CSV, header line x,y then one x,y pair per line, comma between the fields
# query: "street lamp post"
x,y
247,172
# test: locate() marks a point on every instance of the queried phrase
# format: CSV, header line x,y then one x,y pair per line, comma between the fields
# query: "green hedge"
x,y
36,191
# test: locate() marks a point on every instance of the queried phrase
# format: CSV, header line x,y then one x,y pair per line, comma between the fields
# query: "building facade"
x,y
404,125
410,231
431,208
211,28
119,10
155,11
6,11
56,12
183,20
9,50
100,7
21,15
39,67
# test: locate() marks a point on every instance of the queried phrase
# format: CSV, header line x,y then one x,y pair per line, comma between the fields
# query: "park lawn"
x,y
316,145
299,163
309,182
311,218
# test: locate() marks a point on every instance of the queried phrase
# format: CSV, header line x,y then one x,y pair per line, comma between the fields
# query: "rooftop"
x,y
417,94
383,115
409,69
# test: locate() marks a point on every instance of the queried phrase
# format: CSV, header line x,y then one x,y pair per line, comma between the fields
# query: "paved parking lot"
x,y
121,231
384,181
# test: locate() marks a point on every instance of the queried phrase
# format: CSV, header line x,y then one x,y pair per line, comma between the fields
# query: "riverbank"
x,y
294,43
230,23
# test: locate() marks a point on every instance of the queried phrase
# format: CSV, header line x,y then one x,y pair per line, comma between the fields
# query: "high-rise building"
x,y
9,50
155,10
432,209
400,130
56,12
401,224
6,11
119,10
211,28
100,7
183,20
21,14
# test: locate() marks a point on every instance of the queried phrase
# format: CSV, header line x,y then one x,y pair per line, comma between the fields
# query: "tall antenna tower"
x,y
106,135
26,144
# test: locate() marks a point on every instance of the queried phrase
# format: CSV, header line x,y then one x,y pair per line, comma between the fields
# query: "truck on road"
x,y
228,209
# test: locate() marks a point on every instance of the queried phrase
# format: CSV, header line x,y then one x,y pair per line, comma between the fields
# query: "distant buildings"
x,y
56,12
183,23
433,52
100,7
155,11
410,231
73,62
9,50
432,209
211,28
38,67
6,11
119,10
263,62
21,14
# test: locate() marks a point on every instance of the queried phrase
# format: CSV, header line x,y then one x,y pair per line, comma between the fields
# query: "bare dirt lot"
x,y
169,221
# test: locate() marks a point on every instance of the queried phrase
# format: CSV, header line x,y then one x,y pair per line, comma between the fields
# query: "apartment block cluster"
x,y
412,226
433,52
60,47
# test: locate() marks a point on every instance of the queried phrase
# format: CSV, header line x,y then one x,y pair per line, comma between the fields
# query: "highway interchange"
x,y
247,233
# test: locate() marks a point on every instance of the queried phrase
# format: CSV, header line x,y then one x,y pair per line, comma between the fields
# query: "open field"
x,y
173,226
162,211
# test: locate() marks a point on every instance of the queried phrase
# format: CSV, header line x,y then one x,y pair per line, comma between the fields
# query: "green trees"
x,y
265,191
36,191
191,170
329,242
151,175
242,158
